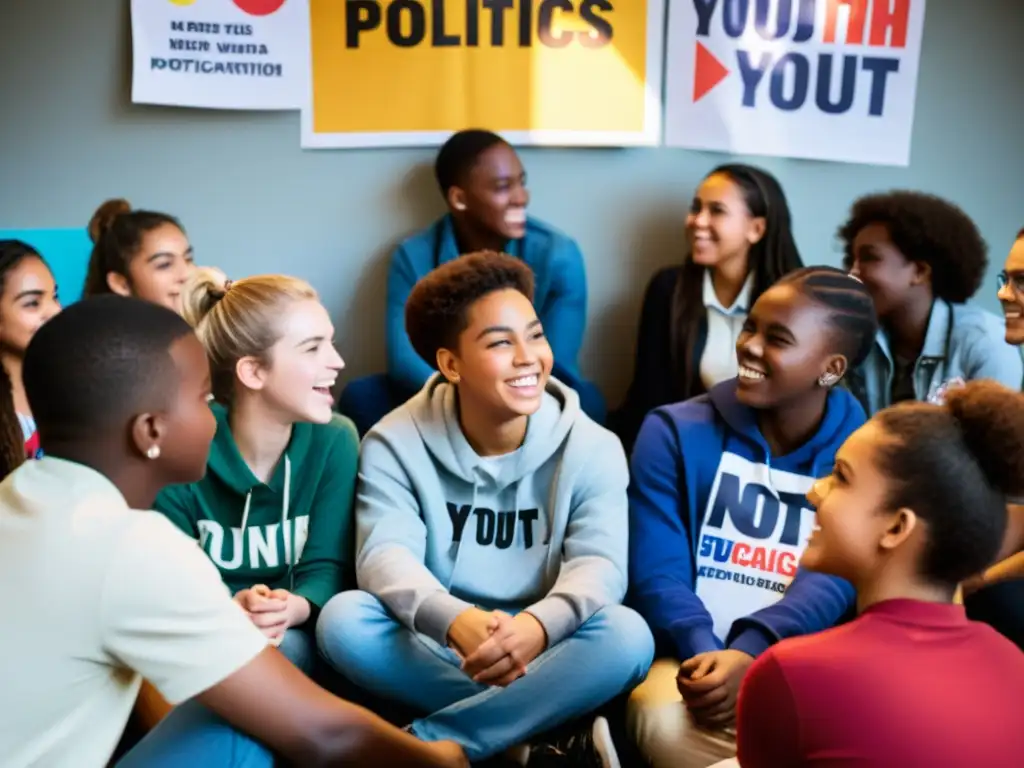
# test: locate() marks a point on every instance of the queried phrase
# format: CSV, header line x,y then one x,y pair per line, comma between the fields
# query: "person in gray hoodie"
x,y
491,536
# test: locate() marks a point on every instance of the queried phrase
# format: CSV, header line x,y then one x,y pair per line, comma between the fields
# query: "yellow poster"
x,y
410,72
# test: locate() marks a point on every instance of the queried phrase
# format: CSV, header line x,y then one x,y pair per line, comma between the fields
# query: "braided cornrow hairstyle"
x,y
852,312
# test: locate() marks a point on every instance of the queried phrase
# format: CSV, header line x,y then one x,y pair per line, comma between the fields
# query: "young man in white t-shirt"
x,y
100,594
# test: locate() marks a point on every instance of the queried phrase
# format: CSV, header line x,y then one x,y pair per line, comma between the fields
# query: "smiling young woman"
x,y
282,467
717,516
915,503
740,242
492,519
28,298
138,253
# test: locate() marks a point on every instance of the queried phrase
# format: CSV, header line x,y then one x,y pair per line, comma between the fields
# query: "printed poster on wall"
x,y
819,79
220,54
556,72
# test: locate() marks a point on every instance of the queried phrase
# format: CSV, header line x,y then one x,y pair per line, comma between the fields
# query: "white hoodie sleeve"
x,y
595,551
391,543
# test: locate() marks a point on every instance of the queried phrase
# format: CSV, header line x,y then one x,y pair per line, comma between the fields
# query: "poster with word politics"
x,y
554,72
220,54
819,79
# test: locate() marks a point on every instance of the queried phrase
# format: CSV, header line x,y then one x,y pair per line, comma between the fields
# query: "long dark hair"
x,y
116,231
12,442
773,256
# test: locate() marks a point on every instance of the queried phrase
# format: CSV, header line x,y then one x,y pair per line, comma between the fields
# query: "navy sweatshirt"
x,y
717,526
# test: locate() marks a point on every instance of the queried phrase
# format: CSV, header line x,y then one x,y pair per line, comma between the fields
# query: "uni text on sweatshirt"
x,y
294,532
718,525
440,529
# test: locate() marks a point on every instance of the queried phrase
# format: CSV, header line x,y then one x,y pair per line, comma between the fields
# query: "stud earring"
x,y
827,379
455,379
460,206
153,452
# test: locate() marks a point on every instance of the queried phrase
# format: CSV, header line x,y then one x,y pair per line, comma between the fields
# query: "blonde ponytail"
x,y
201,292
238,319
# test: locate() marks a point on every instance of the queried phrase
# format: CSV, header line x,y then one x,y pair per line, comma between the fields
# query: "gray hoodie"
x,y
440,529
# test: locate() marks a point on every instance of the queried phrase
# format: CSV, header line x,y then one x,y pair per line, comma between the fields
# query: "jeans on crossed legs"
x,y
608,654
191,735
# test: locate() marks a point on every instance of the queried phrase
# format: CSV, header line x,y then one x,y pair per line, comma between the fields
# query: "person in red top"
x,y
915,504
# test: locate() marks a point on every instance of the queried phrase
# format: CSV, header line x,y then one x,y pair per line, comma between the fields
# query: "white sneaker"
x,y
603,744
580,748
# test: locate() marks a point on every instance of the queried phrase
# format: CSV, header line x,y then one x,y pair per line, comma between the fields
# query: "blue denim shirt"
x,y
962,342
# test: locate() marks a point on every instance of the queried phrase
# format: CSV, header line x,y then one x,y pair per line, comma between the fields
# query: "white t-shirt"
x,y
97,596
718,362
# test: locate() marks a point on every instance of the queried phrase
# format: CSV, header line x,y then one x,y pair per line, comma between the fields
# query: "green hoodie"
x,y
318,469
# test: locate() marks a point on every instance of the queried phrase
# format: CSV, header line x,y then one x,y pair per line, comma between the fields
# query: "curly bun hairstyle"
x,y
238,319
955,465
105,216
117,232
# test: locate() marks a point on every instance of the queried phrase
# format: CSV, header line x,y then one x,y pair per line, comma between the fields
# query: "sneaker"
x,y
581,748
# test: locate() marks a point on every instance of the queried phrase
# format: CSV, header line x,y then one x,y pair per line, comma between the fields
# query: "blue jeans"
x,y
299,648
609,654
192,736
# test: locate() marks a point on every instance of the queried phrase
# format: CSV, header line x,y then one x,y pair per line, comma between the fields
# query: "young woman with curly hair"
x,y
922,258
913,506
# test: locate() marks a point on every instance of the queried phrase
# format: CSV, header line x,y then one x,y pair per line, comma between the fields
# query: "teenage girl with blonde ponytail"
x,y
274,511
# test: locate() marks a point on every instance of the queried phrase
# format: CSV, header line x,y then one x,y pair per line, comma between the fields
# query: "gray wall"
x,y
253,202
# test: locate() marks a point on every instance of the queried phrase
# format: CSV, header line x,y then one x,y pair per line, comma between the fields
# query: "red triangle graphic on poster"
x,y
708,72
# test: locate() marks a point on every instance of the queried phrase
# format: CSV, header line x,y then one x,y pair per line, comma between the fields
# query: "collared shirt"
x,y
99,595
962,343
718,362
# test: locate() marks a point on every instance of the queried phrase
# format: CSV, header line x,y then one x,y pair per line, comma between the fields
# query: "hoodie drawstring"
x,y
288,540
245,516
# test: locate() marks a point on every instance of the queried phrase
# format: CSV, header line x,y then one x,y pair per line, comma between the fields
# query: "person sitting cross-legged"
x,y
491,527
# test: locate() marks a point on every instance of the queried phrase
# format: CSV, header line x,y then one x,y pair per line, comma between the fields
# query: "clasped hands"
x,y
495,647
273,611
709,684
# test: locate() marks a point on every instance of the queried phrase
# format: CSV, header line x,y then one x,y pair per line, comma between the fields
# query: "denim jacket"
x,y
962,342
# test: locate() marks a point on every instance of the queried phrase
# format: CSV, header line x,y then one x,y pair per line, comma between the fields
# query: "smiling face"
x,y
503,360
493,193
28,300
885,271
856,532
159,270
301,367
786,344
1011,294
719,227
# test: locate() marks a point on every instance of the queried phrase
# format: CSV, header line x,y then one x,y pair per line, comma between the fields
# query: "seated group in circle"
x,y
474,557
